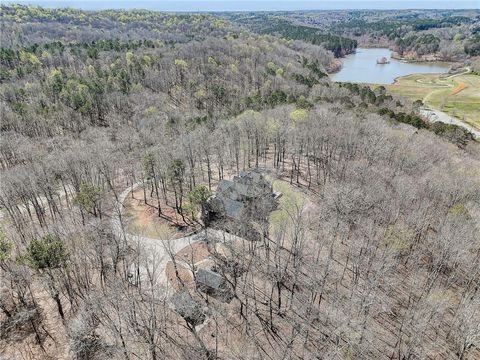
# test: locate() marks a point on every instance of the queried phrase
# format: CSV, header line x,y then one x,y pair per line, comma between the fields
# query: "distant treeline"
x,y
421,44
339,45
393,28
449,35
472,45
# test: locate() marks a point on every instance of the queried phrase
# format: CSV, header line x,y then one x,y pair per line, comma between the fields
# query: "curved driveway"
x,y
157,252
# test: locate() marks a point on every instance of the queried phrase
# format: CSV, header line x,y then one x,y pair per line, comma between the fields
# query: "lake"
x,y
362,67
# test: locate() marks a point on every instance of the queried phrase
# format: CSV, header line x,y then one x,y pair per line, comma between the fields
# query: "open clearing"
x,y
143,219
457,95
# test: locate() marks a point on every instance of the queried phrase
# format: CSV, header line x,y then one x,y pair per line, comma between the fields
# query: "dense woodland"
x,y
377,257
274,25
449,35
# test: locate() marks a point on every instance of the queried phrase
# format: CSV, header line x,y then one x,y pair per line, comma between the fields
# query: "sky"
x,y
253,5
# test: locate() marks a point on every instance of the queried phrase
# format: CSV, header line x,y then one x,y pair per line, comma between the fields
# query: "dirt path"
x,y
460,87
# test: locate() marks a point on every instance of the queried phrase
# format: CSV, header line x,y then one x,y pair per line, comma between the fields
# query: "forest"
x,y
274,25
118,126
414,34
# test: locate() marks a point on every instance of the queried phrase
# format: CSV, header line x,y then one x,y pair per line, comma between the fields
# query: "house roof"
x,y
210,278
224,185
251,175
233,208
248,185
248,190
243,189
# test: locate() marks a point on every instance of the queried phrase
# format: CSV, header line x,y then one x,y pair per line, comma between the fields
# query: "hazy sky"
x,y
254,5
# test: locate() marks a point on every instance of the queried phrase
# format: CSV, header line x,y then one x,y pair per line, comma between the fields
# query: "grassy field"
x,y
457,96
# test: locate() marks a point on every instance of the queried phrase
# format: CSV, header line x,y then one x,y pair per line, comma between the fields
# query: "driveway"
x,y
439,116
156,253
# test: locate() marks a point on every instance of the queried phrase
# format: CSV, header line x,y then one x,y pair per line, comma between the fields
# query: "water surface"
x,y
362,67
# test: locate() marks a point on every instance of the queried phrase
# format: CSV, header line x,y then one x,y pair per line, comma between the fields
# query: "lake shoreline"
x,y
395,56
363,67
337,66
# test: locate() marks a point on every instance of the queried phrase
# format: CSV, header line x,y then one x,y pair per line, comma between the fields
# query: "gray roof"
x,y
224,185
249,184
244,189
233,208
248,190
251,175
186,306
210,278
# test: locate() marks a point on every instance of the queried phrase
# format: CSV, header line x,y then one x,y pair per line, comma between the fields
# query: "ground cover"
x,y
142,219
457,95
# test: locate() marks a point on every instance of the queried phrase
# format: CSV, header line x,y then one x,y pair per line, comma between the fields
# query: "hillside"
x,y
180,187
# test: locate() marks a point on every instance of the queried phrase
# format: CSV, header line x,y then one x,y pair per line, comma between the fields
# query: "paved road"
x,y
439,116
157,251
466,71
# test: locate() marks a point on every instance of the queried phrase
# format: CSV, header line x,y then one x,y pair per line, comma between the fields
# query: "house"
x,y
247,196
213,284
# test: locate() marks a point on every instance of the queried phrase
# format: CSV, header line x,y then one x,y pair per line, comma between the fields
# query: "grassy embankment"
x,y
457,95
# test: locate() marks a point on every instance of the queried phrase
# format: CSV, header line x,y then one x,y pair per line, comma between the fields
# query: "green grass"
x,y
290,204
438,91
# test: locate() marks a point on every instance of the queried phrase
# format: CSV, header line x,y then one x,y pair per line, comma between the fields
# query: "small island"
x,y
383,61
